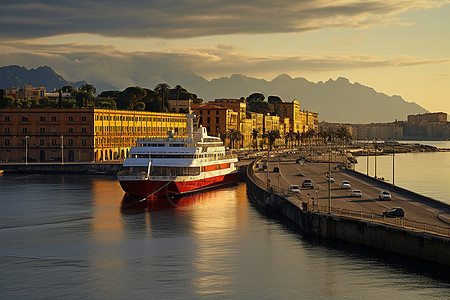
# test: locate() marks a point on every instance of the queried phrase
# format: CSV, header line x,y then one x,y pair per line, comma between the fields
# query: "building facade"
x,y
61,135
428,118
27,92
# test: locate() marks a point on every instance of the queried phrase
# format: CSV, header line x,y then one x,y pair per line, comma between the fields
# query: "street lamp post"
x,y
393,156
367,158
26,149
375,150
62,149
329,183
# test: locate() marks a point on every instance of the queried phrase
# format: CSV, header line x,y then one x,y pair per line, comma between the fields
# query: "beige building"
x,y
27,92
299,120
177,104
79,134
428,118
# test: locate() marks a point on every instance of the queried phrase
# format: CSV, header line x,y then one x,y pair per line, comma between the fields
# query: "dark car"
x,y
307,183
394,212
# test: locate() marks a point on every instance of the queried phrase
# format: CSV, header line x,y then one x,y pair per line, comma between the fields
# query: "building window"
x,y
200,120
70,119
54,142
70,130
41,142
217,119
24,130
209,112
42,130
42,119
6,142
7,118
83,142
83,130
208,120
53,119
217,112
6,129
83,119
24,118
70,141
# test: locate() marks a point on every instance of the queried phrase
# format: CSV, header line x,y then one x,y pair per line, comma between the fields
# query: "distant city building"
x,y
177,105
79,134
428,118
27,92
379,131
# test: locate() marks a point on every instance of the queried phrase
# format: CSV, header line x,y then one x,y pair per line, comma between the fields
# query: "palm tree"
x,y
272,136
163,90
255,135
88,88
234,136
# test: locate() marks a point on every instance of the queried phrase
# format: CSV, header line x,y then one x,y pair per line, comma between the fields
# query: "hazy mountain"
x,y
42,76
335,100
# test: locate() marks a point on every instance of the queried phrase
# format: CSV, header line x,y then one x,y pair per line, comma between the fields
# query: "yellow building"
x,y
79,134
299,120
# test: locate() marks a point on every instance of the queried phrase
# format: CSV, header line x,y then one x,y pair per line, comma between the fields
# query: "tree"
x,y
234,136
128,98
67,89
261,107
271,137
274,100
109,94
82,98
255,135
255,97
7,102
88,88
163,90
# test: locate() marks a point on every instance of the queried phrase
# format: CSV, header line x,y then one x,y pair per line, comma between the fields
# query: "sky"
x,y
399,47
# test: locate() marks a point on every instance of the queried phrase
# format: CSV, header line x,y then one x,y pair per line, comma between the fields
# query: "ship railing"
x,y
163,176
310,204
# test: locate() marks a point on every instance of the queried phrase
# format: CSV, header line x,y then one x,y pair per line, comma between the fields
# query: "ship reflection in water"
x,y
136,204
132,204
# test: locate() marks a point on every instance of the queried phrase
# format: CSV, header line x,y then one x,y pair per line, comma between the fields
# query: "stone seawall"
x,y
390,238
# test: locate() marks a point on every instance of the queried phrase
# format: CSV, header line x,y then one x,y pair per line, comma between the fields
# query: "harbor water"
x,y
78,237
426,173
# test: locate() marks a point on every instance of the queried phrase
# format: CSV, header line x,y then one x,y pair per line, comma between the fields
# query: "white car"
x,y
295,189
330,179
356,193
385,195
346,185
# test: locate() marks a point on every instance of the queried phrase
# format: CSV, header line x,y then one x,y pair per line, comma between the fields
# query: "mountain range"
x,y
335,100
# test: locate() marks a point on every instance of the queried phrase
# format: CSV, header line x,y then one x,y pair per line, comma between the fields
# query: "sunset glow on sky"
x,y
397,47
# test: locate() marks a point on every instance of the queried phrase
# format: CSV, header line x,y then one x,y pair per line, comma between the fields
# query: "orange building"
x,y
216,119
31,135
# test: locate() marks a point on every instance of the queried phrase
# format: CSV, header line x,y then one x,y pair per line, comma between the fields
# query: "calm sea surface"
x,y
426,173
76,237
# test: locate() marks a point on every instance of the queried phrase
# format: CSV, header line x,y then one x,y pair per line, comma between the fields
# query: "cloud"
x,y
193,18
108,64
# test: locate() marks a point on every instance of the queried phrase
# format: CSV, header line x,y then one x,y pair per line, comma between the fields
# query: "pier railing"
x,y
406,223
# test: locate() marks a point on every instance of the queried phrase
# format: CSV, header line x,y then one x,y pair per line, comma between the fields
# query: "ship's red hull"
x,y
149,188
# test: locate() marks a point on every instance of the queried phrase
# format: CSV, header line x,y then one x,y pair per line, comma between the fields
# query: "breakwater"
x,y
387,237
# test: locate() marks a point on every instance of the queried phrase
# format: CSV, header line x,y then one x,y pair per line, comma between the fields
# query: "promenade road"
x,y
292,173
